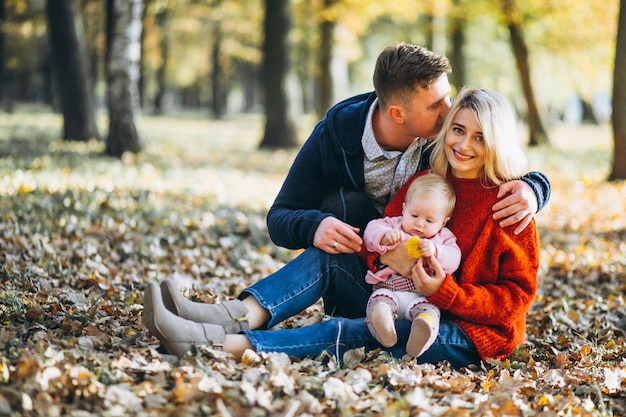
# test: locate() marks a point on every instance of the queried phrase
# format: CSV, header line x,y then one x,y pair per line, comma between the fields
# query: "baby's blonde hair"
x,y
432,185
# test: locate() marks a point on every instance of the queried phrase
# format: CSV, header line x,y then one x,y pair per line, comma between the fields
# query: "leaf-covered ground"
x,y
81,235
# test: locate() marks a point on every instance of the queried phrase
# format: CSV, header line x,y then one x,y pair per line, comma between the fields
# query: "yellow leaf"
x,y
413,247
585,350
487,385
544,400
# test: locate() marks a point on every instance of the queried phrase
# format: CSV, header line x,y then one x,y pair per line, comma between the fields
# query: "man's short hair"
x,y
402,68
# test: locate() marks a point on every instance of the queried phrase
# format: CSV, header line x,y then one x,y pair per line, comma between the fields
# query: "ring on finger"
x,y
335,244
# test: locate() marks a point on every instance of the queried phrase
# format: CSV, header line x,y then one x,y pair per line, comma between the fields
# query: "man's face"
x,y
424,116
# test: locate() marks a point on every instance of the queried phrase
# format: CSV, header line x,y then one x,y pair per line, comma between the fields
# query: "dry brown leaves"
x,y
80,236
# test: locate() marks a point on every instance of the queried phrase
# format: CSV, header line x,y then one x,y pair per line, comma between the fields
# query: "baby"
x,y
426,210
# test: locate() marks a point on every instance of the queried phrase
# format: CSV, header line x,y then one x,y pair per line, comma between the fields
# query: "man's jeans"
x,y
340,281
314,274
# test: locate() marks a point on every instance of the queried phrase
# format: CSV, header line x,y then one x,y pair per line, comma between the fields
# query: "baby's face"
x,y
424,217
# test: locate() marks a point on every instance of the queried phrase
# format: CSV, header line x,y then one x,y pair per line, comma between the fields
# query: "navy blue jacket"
x,y
332,159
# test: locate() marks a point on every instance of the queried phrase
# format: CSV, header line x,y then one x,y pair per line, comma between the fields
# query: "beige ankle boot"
x,y
424,329
381,321
231,315
177,335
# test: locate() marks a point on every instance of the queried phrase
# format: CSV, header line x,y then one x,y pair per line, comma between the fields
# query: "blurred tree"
x,y
435,13
69,58
141,82
280,131
93,15
161,15
2,49
458,77
208,63
234,40
567,55
124,26
323,27
218,97
27,70
325,96
512,16
574,39
303,35
220,58
618,171
343,25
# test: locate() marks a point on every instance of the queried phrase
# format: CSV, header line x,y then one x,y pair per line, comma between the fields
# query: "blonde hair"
x,y
504,156
429,185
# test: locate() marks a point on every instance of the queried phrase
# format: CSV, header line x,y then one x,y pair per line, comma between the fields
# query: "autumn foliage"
x,y
81,235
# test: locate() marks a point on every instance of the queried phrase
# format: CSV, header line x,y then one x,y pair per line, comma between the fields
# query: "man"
x,y
352,164
367,147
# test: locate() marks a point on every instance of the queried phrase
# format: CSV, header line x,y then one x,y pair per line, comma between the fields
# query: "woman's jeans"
x,y
340,281
338,335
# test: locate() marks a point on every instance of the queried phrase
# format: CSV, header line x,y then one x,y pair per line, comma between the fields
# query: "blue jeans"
x,y
338,335
338,279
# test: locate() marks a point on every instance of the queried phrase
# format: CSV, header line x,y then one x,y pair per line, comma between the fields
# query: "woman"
x,y
484,306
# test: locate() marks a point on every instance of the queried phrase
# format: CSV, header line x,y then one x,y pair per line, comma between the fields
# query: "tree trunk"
x,y
141,87
304,59
280,131
457,59
326,90
537,132
248,73
217,95
2,49
123,69
69,60
161,23
93,28
619,100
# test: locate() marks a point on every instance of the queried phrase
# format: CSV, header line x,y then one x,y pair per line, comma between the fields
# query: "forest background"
x,y
81,233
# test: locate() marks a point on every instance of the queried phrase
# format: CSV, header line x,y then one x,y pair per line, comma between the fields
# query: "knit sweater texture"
x,y
496,283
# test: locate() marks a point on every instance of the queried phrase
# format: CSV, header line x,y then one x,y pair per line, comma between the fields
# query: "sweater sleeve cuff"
x,y
540,185
445,295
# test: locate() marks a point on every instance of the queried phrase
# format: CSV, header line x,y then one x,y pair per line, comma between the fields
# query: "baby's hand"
x,y
392,237
428,248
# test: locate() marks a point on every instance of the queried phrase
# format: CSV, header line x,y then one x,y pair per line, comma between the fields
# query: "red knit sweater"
x,y
497,280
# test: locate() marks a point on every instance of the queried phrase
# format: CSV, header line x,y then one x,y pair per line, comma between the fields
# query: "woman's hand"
x,y
427,276
334,236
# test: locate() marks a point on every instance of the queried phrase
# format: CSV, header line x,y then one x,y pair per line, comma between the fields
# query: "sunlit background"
x,y
195,49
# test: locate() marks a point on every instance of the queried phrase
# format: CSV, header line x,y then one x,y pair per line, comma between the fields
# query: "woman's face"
x,y
465,146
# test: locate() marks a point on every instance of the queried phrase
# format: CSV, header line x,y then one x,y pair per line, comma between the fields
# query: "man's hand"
x,y
399,260
334,236
519,206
